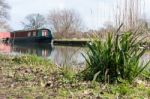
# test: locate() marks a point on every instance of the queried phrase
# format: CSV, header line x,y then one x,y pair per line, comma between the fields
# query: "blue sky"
x,y
93,12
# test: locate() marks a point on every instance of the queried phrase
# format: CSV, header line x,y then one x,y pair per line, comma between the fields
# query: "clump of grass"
x,y
35,62
31,60
115,59
68,73
123,89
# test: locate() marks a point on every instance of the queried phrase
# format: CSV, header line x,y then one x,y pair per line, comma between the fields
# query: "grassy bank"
x,y
30,77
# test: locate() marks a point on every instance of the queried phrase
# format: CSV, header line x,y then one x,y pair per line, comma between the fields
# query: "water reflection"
x,y
5,48
146,58
65,55
43,50
60,55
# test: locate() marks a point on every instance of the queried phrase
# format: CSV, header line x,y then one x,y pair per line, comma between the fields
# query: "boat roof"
x,y
30,30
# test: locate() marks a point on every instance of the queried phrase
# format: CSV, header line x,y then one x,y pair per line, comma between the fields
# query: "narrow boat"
x,y
31,36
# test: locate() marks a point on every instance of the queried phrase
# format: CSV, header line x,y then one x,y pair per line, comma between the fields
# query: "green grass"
x,y
31,60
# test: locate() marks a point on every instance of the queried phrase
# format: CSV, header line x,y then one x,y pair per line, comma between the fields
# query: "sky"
x,y
94,13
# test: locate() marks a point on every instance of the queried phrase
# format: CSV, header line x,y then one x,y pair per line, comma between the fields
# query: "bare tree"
x,y
34,21
65,22
4,15
130,13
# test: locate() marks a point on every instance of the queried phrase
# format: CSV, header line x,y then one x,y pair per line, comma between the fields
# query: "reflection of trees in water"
x,y
64,55
35,49
5,48
145,58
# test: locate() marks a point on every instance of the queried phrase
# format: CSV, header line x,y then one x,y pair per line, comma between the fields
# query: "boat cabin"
x,y
38,35
31,33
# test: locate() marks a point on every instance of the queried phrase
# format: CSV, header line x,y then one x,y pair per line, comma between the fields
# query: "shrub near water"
x,y
115,59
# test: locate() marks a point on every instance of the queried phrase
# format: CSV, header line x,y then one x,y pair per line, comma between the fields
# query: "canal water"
x,y
60,55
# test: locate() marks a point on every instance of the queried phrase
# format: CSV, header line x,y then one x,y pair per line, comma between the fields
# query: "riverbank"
x,y
28,77
83,42
72,42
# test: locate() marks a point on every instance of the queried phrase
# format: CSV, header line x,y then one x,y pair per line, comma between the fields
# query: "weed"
x,y
123,89
116,57
68,74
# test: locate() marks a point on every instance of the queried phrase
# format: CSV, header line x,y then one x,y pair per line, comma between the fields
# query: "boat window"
x,y
29,34
44,32
34,33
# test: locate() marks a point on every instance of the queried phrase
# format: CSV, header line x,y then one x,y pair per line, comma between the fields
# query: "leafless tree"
x,y
4,15
129,12
34,21
65,22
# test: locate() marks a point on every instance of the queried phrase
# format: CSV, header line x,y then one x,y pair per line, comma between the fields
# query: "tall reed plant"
x,y
115,59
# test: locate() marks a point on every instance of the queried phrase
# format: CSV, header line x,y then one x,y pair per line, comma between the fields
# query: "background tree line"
x,y
4,15
64,23
67,23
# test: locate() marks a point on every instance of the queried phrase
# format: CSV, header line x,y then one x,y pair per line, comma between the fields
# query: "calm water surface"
x,y
60,55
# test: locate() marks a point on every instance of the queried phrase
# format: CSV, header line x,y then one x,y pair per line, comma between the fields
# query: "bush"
x,y
118,57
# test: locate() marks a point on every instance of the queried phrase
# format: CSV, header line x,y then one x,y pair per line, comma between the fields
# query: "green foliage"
x,y
148,92
122,89
118,57
68,74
